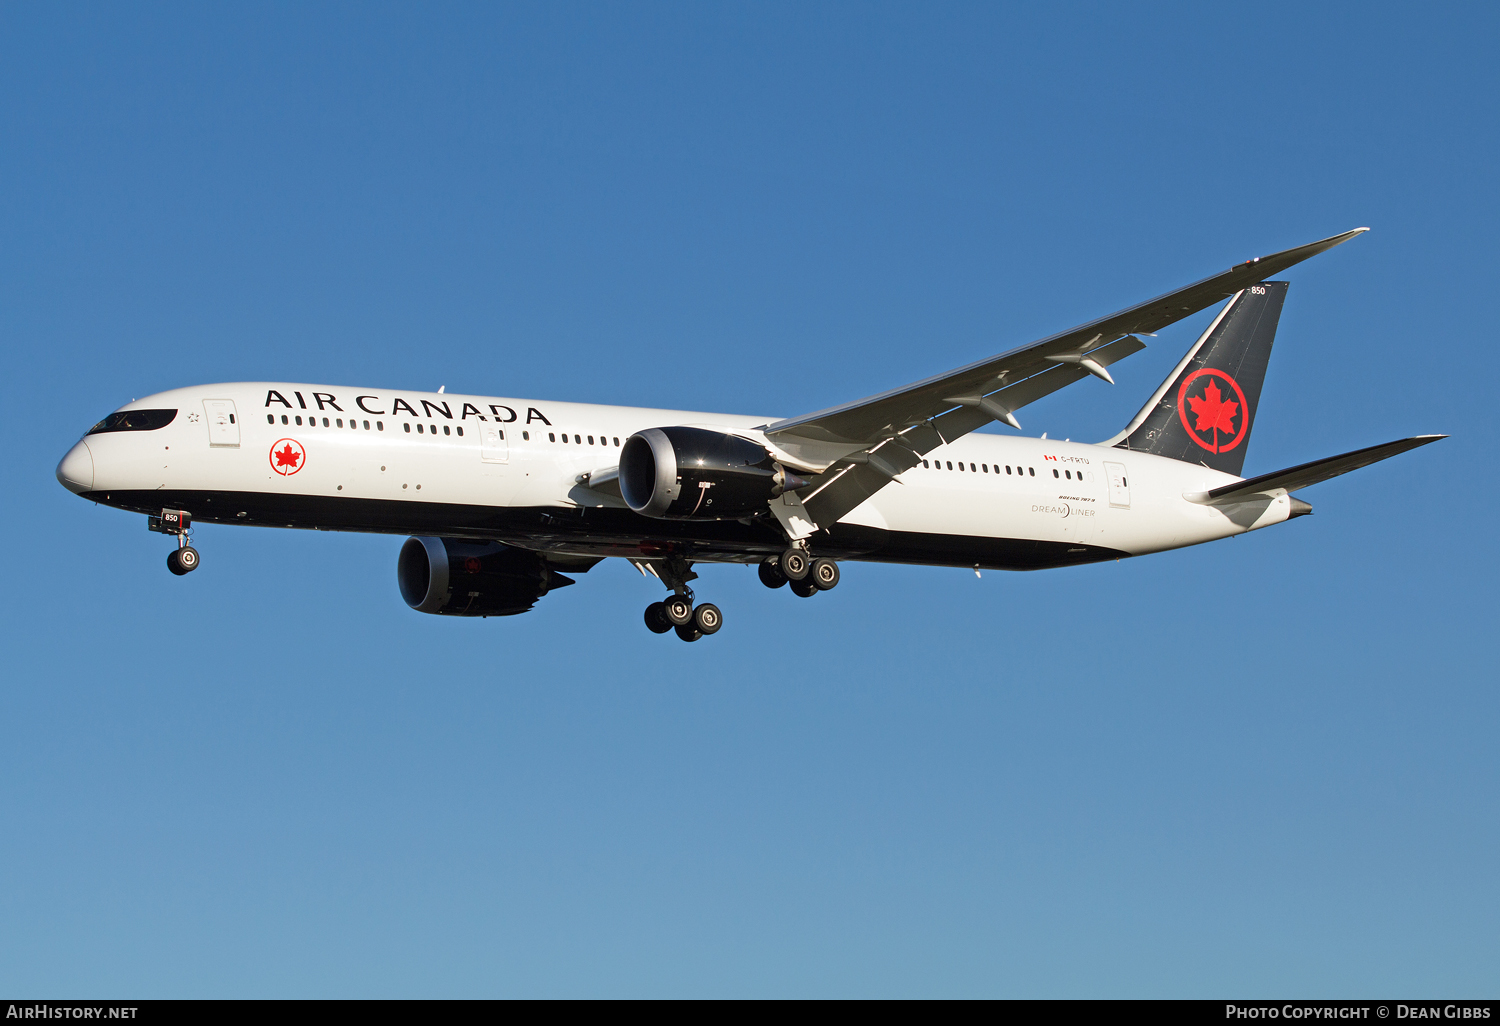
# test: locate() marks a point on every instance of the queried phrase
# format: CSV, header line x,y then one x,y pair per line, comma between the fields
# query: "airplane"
x,y
502,497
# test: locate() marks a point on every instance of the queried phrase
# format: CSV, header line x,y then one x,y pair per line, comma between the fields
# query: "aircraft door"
x,y
493,445
1119,485
223,425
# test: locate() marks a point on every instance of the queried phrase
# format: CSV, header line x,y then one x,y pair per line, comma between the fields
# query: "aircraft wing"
x,y
861,446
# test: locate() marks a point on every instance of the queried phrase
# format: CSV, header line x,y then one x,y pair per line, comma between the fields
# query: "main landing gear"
x,y
806,575
677,612
178,522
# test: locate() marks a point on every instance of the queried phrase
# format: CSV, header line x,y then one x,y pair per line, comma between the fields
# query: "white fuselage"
x,y
476,466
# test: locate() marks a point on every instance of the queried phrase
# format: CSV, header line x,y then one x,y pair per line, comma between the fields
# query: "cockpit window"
x,y
134,420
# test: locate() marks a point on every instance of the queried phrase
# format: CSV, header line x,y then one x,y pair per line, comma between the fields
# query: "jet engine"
x,y
462,578
686,473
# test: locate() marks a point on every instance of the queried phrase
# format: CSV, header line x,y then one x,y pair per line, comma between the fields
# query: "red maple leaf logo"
x,y
288,456
1213,413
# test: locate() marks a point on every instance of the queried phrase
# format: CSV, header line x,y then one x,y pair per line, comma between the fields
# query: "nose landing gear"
x,y
178,522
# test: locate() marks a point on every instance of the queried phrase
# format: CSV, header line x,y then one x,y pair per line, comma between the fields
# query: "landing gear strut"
x,y
178,522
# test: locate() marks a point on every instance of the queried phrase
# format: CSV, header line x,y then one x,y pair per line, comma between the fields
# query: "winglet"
x,y
1278,262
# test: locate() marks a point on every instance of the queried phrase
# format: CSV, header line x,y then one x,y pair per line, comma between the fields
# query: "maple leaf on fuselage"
x,y
288,457
1213,413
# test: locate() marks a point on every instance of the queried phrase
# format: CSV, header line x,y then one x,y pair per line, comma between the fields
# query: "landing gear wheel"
x,y
678,611
182,561
771,575
794,564
804,588
825,574
687,632
707,618
656,619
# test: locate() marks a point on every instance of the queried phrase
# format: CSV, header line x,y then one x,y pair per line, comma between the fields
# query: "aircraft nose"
x,y
76,471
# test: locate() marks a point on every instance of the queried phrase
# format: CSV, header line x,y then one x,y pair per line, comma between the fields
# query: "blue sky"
x,y
1263,767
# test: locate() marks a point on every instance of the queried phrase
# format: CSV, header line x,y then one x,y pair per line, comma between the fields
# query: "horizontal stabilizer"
x,y
1307,474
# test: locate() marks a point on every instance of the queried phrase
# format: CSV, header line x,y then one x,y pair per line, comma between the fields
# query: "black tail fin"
x,y
1204,411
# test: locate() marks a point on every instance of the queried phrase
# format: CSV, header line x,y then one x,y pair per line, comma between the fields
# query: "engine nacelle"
x,y
686,473
462,578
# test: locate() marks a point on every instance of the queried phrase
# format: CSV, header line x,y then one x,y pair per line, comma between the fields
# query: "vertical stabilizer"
x,y
1204,411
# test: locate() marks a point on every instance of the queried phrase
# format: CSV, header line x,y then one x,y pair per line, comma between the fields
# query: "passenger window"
x,y
283,418
1069,473
971,467
925,465
270,418
325,421
502,434
1007,468
617,443
984,467
367,425
460,432
380,425
525,436
1031,471
960,466
591,439
1124,482
339,422
299,421
577,440
407,426
950,464
445,430
551,436
421,429
231,418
